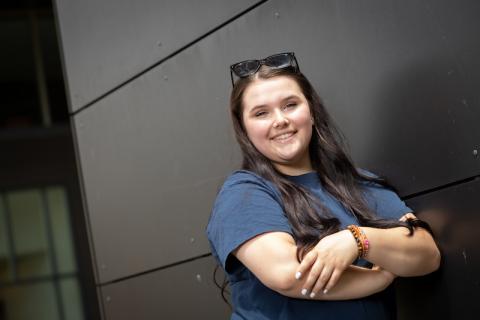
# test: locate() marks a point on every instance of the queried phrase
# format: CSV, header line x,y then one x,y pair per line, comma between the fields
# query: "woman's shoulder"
x,y
367,173
245,177
245,183
370,174
243,192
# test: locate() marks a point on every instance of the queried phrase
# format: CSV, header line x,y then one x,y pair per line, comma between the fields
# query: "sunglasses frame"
x,y
291,55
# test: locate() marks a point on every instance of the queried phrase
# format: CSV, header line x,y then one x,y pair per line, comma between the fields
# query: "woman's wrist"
x,y
353,246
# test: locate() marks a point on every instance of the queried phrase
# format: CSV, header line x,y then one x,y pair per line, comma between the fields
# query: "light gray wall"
x,y
154,140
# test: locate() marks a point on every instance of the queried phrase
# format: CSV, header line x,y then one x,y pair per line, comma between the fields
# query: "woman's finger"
x,y
313,275
307,262
321,281
408,216
337,273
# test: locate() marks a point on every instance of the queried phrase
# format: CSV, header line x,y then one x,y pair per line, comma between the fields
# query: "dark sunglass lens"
x,y
279,60
243,69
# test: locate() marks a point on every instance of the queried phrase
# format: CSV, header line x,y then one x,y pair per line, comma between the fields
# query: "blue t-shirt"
x,y
248,205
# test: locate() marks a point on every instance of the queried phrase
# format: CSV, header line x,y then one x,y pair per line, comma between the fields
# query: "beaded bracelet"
x,y
357,236
366,243
363,244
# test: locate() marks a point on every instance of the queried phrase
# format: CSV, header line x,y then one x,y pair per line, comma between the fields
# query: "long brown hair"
x,y
309,218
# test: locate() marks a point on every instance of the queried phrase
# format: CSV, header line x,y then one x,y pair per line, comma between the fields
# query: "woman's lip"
x,y
284,136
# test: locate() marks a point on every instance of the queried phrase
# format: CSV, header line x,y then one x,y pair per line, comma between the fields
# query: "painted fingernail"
x,y
312,295
304,291
325,291
298,275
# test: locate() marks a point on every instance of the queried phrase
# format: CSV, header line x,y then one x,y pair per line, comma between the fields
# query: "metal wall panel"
x,y
181,292
452,292
154,151
401,80
153,156
107,42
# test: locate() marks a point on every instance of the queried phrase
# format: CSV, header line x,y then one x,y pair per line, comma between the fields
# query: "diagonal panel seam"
x,y
168,57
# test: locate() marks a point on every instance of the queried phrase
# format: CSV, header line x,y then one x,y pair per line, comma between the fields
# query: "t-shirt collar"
x,y
305,179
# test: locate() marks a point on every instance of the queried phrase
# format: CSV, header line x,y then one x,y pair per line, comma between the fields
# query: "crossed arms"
x,y
326,271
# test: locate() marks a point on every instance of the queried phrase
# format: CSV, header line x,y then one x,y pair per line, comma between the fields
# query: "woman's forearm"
x,y
354,283
404,255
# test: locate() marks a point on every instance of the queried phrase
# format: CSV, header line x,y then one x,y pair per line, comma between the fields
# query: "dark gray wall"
x,y
148,85
107,43
452,292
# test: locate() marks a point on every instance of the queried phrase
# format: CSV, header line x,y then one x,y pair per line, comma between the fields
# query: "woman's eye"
x,y
290,105
260,113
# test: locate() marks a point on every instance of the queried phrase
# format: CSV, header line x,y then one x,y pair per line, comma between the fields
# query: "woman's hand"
x,y
327,261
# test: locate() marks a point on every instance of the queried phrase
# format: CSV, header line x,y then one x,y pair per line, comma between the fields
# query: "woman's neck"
x,y
295,170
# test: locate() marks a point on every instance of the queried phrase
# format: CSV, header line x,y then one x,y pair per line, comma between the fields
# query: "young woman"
x,y
300,231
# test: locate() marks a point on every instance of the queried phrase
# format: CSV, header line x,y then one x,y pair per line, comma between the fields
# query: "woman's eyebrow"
x,y
258,107
292,96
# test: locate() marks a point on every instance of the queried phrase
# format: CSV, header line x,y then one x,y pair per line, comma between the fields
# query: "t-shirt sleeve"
x,y
388,204
385,202
245,207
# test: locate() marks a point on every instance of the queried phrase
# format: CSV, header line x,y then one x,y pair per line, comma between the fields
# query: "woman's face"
x,y
277,118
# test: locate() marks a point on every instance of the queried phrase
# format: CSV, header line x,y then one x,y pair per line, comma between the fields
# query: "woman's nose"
x,y
280,120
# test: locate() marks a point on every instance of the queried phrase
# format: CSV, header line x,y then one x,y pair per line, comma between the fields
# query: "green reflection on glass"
x,y
62,235
29,233
71,298
26,302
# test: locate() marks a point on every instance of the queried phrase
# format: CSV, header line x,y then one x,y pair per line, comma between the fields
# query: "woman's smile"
x,y
284,137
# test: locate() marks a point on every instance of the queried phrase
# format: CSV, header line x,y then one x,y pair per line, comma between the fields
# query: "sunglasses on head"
x,y
277,61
